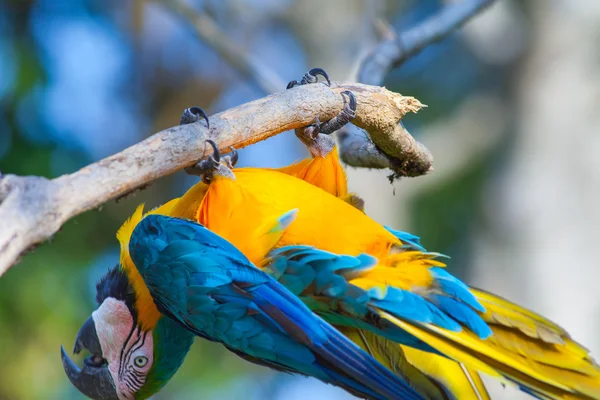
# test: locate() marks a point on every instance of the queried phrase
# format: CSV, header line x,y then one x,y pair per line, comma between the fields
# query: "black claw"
x,y
346,115
212,166
352,99
318,71
310,77
193,114
312,131
216,153
292,84
206,168
234,156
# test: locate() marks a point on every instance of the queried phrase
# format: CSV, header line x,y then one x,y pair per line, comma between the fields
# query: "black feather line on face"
x,y
116,284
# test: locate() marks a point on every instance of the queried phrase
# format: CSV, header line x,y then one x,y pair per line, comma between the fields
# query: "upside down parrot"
x,y
460,381
378,286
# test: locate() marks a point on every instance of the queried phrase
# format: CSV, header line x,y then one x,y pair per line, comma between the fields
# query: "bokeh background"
x,y
512,122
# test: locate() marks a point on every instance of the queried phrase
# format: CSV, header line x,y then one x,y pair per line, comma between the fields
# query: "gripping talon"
x,y
206,168
213,166
313,130
234,156
216,156
352,100
347,114
232,159
312,76
193,114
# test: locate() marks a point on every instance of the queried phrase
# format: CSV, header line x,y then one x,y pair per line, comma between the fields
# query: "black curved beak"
x,y
94,379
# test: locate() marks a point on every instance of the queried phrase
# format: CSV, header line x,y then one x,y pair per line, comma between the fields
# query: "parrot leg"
x,y
231,160
193,114
322,145
311,76
317,136
347,114
214,165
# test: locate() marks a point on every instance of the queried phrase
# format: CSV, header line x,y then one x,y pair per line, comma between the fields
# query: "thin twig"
x,y
393,52
32,209
399,152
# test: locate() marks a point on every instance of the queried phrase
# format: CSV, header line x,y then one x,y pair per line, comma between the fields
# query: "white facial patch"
x,y
127,349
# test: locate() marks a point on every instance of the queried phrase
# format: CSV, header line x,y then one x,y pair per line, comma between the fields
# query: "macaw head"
x,y
127,359
134,349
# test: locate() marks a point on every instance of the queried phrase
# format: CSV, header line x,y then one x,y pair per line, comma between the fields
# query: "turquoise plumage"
x,y
322,280
206,284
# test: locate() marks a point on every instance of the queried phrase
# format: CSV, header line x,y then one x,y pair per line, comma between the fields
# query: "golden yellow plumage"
x,y
323,172
148,314
332,225
525,347
462,382
234,208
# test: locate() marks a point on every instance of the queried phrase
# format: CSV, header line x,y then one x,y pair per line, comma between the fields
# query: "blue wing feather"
x,y
455,288
330,291
217,293
409,241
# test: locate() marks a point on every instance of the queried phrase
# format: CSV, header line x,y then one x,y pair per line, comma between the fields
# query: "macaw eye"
x,y
140,361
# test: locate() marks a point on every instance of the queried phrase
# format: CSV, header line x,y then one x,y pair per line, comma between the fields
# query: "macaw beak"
x,y
94,379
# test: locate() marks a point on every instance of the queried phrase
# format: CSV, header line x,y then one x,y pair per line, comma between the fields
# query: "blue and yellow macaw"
x,y
177,280
371,282
516,330
202,285
376,285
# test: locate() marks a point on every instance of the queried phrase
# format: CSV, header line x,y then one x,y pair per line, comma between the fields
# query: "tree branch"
x,y
356,148
393,52
401,153
32,209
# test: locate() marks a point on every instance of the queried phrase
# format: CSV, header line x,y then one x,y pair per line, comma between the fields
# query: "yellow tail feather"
x,y
323,172
487,356
435,377
392,356
462,382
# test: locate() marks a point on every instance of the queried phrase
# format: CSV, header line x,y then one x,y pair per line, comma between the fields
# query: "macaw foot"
x,y
347,114
193,114
215,165
311,76
321,145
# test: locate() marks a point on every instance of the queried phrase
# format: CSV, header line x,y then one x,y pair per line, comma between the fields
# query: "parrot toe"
x,y
193,114
322,145
311,76
231,160
212,166
347,114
